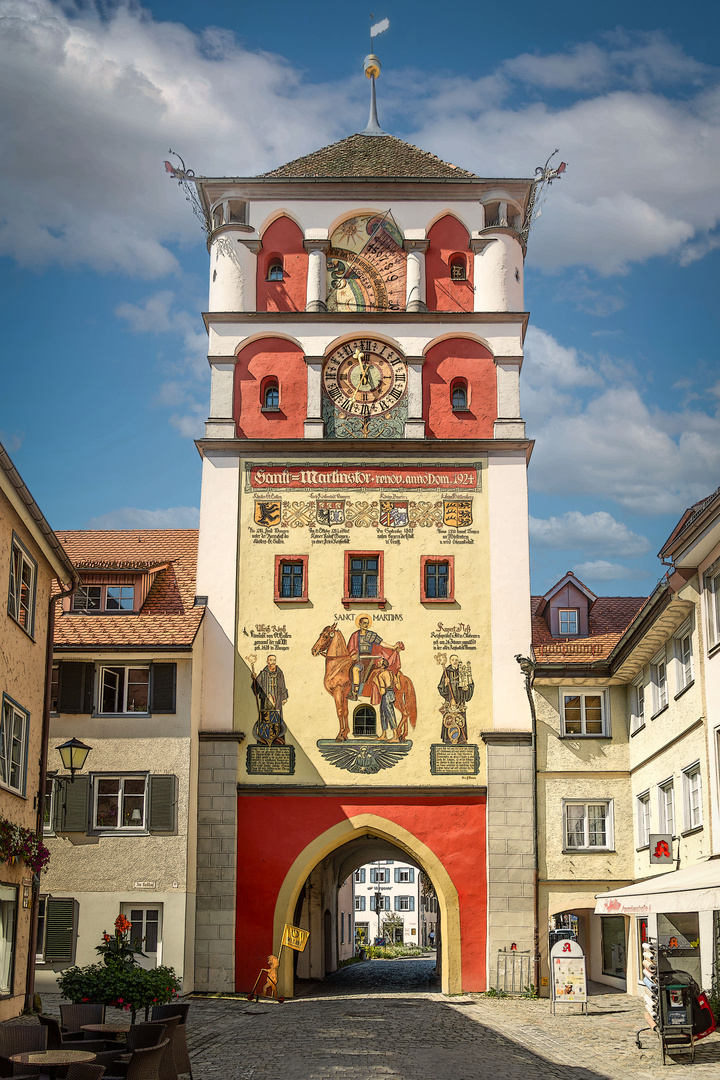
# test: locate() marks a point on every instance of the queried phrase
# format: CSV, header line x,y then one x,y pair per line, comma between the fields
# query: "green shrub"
x,y
129,988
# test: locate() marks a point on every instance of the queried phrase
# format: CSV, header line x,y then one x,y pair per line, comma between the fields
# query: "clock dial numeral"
x,y
365,377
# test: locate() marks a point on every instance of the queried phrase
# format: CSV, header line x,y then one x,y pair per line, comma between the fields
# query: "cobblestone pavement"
x,y
386,1019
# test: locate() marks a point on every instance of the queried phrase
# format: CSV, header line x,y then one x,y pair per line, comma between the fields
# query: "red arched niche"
x,y
282,240
453,359
285,362
448,238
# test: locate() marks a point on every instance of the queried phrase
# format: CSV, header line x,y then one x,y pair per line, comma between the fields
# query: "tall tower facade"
x,y
364,556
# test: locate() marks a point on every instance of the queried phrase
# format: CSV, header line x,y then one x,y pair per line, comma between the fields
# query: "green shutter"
x,y
162,693
162,804
73,809
76,688
60,922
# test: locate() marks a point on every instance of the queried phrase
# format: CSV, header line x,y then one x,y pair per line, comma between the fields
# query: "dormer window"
x,y
458,269
568,621
271,397
275,270
459,395
113,598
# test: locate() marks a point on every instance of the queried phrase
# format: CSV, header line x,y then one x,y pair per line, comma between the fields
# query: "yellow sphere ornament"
x,y
372,66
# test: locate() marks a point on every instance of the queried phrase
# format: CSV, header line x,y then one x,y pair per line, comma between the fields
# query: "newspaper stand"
x,y
568,979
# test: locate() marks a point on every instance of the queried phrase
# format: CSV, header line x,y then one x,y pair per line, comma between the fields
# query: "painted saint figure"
x,y
271,694
456,686
386,684
364,646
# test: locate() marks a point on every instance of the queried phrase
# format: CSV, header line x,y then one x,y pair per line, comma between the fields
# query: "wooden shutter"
x,y
161,815
60,924
397,876
412,875
73,805
162,688
76,688
412,903
397,903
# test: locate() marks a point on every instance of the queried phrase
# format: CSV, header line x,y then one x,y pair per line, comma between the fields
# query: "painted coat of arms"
x,y
268,514
331,511
457,512
394,513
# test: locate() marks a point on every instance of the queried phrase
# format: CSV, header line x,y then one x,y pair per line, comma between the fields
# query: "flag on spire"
x,y
379,27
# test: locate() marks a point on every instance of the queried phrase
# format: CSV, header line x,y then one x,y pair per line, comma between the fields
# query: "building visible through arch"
x,y
364,554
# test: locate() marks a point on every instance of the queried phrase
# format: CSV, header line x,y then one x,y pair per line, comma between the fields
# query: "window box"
x,y
584,713
588,825
23,585
291,579
364,578
437,579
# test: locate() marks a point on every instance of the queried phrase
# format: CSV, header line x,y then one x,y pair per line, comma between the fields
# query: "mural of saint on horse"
x,y
366,668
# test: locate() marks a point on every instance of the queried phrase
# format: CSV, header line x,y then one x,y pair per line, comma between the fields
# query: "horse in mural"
x,y
338,682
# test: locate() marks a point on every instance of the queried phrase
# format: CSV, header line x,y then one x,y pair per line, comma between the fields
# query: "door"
x,y
146,924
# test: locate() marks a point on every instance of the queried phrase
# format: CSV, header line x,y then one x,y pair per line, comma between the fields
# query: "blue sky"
x,y
104,267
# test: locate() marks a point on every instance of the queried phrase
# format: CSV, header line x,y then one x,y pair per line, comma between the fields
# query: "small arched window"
x,y
275,270
459,396
364,720
458,269
271,396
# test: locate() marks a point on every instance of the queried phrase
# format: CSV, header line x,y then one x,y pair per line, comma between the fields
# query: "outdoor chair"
x,y
143,1064
182,1058
57,1040
72,1018
139,1037
168,1064
18,1039
84,1070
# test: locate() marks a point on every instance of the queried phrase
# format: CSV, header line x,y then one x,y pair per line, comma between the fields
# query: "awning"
x,y
694,888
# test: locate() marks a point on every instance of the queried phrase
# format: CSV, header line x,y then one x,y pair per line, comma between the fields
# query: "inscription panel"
x,y
448,760
271,760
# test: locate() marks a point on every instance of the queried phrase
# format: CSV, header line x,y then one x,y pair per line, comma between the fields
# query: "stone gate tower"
x,y
363,555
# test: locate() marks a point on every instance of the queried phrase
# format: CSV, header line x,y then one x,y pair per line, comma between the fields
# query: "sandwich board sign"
x,y
568,978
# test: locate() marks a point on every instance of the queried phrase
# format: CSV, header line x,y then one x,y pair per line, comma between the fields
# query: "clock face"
x,y
366,265
365,378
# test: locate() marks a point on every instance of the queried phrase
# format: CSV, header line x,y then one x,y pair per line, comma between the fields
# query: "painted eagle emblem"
x,y
363,757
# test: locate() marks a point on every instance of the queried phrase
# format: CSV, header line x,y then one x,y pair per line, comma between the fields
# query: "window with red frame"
x,y
437,579
364,577
291,578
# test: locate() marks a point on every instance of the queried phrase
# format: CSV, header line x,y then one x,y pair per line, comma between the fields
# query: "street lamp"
x,y
378,908
74,754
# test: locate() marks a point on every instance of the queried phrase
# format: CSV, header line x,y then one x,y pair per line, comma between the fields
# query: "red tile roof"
x,y
610,616
167,618
370,155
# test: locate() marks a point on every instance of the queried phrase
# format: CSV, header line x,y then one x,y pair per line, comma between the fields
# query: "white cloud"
x,y
601,570
12,440
84,182
131,517
598,531
604,440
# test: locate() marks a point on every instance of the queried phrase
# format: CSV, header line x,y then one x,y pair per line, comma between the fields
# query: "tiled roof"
x,y
370,155
689,518
167,619
610,616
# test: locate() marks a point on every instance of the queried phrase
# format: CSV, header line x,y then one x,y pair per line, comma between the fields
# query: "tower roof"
x,y
370,156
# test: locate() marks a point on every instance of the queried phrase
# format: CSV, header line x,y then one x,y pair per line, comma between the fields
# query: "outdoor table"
x,y
51,1060
106,1029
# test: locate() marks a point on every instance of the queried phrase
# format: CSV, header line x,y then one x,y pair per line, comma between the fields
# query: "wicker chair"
x,y
182,1058
168,1065
84,1070
145,1064
19,1039
72,1018
139,1037
57,1040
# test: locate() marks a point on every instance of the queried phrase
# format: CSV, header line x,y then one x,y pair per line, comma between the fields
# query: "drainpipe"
x,y
39,821
527,666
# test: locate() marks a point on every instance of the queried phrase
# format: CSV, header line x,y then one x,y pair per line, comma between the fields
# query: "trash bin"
x,y
362,954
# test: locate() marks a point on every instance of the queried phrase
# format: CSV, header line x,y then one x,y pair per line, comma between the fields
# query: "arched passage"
x,y
344,833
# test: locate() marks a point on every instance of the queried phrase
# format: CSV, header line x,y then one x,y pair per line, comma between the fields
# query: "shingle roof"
x,y
167,618
370,155
609,618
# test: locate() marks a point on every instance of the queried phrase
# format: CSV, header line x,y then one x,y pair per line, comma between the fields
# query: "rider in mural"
x,y
365,646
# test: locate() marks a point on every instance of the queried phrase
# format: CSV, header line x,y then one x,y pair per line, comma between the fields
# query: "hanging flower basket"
x,y
19,843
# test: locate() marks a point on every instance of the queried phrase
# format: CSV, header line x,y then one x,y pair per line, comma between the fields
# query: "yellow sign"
x,y
295,938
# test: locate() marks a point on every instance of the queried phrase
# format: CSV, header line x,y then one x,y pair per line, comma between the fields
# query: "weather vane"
x,y
373,68
544,176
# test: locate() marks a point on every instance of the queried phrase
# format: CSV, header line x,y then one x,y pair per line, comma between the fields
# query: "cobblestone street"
x,y
384,1019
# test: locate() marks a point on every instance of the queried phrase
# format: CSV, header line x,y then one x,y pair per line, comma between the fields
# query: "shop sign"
x,y
661,848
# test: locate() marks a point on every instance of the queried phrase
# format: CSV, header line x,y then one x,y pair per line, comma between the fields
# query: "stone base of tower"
x,y
216,861
294,850
510,848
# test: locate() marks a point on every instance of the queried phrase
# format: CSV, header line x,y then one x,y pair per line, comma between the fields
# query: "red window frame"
x,y
279,560
450,560
376,601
